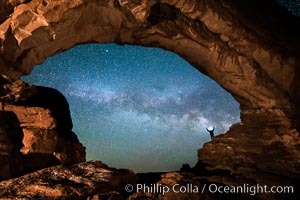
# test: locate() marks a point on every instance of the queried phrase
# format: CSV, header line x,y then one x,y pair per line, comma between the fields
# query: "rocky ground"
x,y
88,180
94,180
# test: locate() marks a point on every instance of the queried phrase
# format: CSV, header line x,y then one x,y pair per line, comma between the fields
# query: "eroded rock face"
x,y
88,180
35,133
250,47
254,155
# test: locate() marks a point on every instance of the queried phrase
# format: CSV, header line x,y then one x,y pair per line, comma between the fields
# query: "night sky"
x,y
134,107
291,5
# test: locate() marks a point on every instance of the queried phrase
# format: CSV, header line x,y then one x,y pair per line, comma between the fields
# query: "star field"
x,y
140,108
293,6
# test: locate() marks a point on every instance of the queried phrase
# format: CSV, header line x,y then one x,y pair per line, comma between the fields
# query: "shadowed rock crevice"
x,y
161,12
53,100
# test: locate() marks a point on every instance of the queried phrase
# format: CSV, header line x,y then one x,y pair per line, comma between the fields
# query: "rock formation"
x,y
89,180
250,47
36,129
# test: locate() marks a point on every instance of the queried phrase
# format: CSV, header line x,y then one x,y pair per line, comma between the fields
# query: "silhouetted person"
x,y
211,132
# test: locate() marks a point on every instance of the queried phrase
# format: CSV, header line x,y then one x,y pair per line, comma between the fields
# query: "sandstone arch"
x,y
251,48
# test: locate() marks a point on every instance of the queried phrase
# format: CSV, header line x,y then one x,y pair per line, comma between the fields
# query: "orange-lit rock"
x,y
32,136
80,181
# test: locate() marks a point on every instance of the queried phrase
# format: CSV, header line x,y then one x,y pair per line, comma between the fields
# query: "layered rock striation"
x,y
251,48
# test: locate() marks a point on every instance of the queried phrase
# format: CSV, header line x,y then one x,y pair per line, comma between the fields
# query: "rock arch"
x,y
251,48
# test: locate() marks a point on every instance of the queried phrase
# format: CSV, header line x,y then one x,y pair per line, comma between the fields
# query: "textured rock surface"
x,y
32,134
250,47
255,154
94,180
89,180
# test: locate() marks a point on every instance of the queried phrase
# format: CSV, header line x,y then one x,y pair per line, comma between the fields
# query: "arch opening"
x,y
140,108
253,55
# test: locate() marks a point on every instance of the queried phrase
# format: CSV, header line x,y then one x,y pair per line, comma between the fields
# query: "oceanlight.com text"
x,y
250,189
212,188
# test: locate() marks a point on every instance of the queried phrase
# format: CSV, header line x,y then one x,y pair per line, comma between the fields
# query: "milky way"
x,y
134,107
